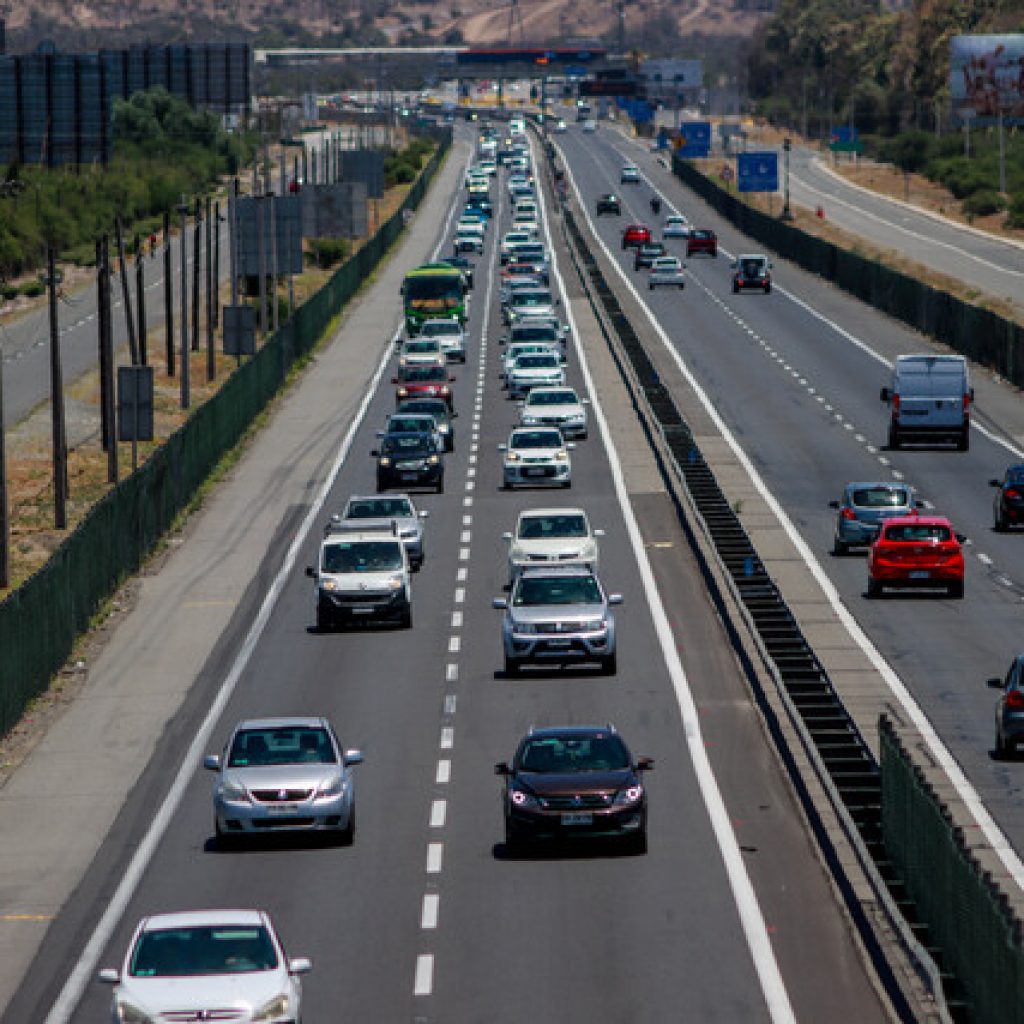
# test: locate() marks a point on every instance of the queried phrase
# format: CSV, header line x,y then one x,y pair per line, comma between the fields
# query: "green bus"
x,y
434,290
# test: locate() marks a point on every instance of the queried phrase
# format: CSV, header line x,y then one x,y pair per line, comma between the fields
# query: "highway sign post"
x,y
757,172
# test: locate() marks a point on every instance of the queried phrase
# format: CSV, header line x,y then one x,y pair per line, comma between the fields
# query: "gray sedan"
x,y
283,775
863,508
1010,708
666,271
379,511
558,616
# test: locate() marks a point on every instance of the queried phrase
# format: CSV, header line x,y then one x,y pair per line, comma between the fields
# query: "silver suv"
x,y
558,615
378,512
362,574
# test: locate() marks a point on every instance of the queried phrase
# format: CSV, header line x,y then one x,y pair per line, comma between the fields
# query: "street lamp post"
x,y
787,145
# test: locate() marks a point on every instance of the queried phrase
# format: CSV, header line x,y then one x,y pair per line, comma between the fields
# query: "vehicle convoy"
x,y
1008,503
558,615
574,782
916,551
361,574
929,400
179,966
379,511
752,273
433,290
863,508
283,775
561,536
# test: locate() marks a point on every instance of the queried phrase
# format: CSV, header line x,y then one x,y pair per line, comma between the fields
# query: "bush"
x,y
1016,215
33,289
983,203
326,252
8,292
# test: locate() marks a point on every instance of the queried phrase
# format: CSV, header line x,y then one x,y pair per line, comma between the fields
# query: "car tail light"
x,y
1015,699
967,400
848,513
895,405
1012,492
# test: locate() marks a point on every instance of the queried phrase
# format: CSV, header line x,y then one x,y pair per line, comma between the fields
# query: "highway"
x,y
795,376
426,917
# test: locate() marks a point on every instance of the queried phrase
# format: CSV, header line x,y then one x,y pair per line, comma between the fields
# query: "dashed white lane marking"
x,y
897,475
447,737
463,554
438,812
462,575
435,858
470,472
431,906
472,458
984,559
466,536
444,772
460,595
456,620
450,703
451,674
474,447
467,520
883,460
454,645
470,485
467,502
423,983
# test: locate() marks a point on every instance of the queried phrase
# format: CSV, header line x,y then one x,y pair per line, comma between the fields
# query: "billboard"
x,y
757,172
986,78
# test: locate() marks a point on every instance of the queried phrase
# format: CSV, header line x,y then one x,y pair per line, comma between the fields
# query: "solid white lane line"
x,y
939,751
444,772
438,812
423,984
428,915
749,910
447,737
435,858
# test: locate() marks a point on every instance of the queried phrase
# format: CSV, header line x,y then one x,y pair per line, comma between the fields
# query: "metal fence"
x,y
978,333
968,916
40,621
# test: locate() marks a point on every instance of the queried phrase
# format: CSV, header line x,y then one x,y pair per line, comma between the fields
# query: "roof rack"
x,y
338,525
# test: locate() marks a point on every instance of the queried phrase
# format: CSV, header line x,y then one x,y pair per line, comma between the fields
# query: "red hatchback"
x,y
635,235
702,240
423,382
916,551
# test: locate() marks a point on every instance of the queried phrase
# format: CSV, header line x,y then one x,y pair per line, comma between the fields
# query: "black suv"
x,y
647,254
608,203
1008,504
572,782
409,460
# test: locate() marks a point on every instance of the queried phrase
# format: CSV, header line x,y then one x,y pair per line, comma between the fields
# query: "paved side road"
x,y
58,807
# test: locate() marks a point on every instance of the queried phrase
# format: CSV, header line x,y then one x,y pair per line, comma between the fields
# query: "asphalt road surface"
x,y
426,917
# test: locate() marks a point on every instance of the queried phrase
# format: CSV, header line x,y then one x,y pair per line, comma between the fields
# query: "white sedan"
x,y
557,407
536,456
553,535
522,348
666,272
189,965
449,335
421,352
535,370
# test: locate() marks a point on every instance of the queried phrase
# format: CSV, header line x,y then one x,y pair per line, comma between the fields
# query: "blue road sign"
x,y
694,139
757,172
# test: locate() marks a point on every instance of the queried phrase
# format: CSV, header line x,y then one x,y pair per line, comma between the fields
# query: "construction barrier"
x,y
41,619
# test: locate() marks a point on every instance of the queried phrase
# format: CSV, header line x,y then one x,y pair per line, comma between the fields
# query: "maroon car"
x,y
635,235
702,240
423,382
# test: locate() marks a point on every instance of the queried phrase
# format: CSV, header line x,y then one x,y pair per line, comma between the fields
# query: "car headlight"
x,y
277,1007
433,460
530,421
402,392
408,534
625,797
523,627
333,786
593,625
232,790
384,461
395,583
329,584
562,456
444,429
127,1013
512,456
520,798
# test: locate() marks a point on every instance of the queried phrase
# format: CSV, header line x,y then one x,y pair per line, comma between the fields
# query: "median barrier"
x,y
42,618
978,333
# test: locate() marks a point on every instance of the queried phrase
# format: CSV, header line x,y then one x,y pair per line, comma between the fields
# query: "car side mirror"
x,y
452,380
918,503
503,339
454,416
884,394
644,764
961,537
502,447
381,433
506,535
994,483
212,762
424,513
571,446
599,533
615,599
833,504
994,684
733,266
501,768
585,401
352,757
311,572
300,965
109,976
375,452
394,380
970,391
500,603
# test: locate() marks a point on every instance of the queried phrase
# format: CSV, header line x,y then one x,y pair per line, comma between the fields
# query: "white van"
x,y
929,400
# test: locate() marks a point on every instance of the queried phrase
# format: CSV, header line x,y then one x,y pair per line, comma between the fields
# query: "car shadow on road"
x,y
580,849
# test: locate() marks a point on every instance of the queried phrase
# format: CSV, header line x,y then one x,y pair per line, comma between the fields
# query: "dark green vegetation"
x,y
402,167
163,149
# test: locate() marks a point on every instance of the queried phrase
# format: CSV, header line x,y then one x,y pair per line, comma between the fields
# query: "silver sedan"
x,y
283,775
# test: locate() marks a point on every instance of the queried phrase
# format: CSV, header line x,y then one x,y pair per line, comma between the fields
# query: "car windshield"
x,y
430,406
541,590
438,286
532,299
418,347
667,263
701,233
410,425
379,508
428,374
560,754
261,748
363,556
535,334
880,497
552,398
404,445
551,526
202,950
917,532
530,252
536,362
439,330
536,439
752,268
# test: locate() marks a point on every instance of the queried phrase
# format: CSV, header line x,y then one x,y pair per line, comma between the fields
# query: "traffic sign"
x,y
694,139
845,140
757,172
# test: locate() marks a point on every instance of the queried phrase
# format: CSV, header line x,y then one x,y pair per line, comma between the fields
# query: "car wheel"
x,y
650,287
324,620
894,439
567,484
405,618
999,523
839,548
956,590
638,842
440,485
512,666
735,289
513,838
767,289
223,839
610,665
874,588
964,442
346,837
381,484
1003,749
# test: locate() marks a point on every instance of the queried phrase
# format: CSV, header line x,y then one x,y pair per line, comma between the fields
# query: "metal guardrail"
x,y
843,763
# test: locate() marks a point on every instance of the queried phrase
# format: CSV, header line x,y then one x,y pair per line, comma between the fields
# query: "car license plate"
x,y
410,476
920,574
282,810
577,819
534,472
559,643
362,610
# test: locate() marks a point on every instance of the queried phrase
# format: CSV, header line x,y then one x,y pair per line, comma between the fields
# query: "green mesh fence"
x,y
969,919
40,620
978,333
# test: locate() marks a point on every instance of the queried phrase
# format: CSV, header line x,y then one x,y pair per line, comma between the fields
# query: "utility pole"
x,y
197,258
126,294
217,221
183,212
140,298
211,367
60,451
168,297
5,523
261,244
787,145
106,353
233,239
273,260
